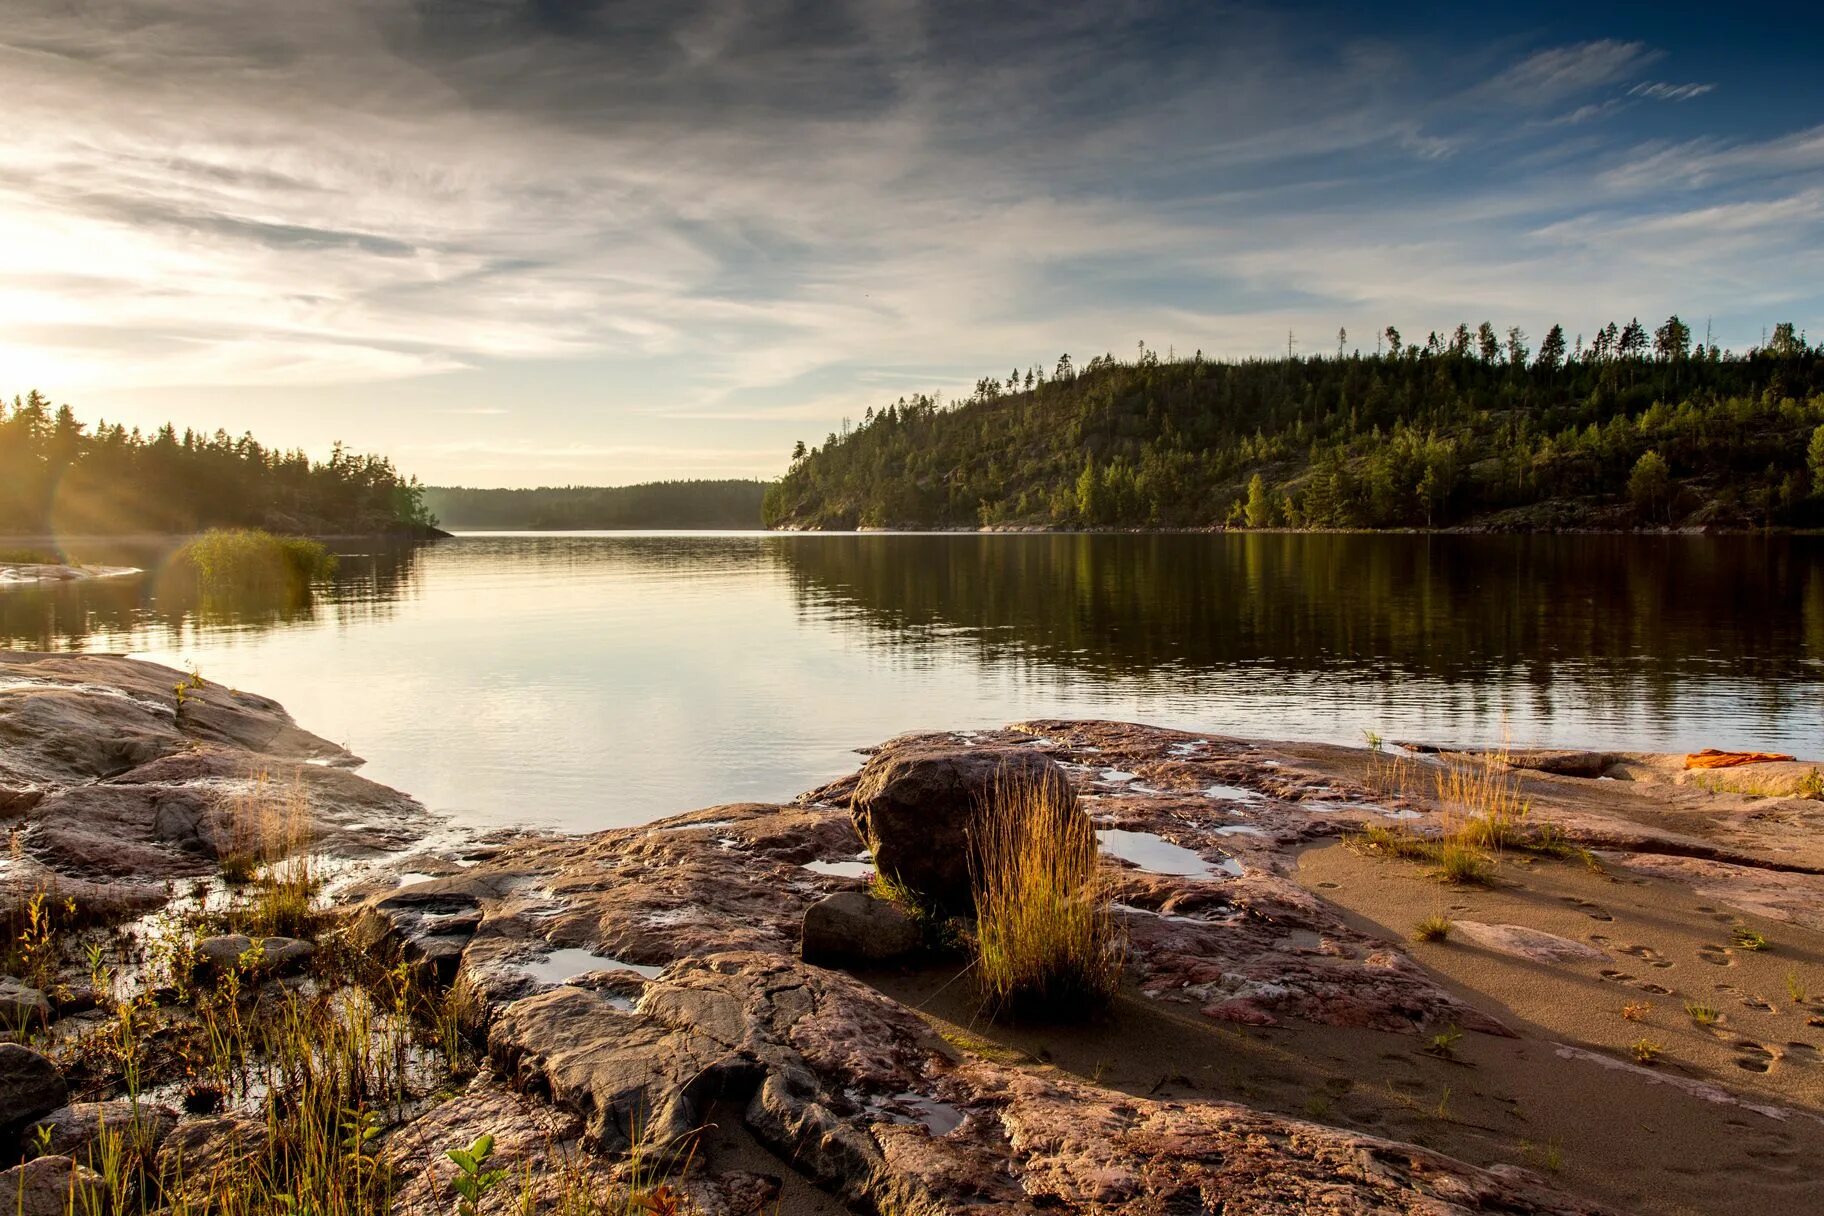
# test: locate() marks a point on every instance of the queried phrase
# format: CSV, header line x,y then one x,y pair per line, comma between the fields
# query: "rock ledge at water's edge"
x,y
640,983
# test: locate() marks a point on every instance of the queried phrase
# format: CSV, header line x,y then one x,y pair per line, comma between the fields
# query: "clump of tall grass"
x,y
1047,944
256,560
267,830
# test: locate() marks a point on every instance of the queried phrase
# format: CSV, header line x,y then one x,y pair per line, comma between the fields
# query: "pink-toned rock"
x,y
1534,945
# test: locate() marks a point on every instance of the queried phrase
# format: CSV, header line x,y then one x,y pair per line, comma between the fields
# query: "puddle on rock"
x,y
1161,856
1233,793
563,965
1240,829
857,867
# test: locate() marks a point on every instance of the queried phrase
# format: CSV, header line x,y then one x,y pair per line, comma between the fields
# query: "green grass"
x,y
1703,1015
1747,939
250,558
1645,1051
1047,946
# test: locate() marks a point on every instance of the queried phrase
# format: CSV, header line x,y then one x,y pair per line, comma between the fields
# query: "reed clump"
x,y
1047,944
253,559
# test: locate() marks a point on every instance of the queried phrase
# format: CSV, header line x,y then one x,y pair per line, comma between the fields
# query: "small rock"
x,y
71,1129
223,953
51,1186
21,1004
852,927
30,1087
1534,945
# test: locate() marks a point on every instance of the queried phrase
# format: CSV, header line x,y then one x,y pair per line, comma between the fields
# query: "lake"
x,y
582,681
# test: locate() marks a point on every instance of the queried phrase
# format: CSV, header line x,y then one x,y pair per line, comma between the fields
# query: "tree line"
x,y
1472,427
61,477
728,503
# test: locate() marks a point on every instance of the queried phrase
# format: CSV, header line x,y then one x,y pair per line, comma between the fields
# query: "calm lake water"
x,y
588,680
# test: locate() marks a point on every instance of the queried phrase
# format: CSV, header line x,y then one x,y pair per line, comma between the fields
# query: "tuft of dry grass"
x,y
1047,945
1637,1011
1434,928
268,829
1645,1050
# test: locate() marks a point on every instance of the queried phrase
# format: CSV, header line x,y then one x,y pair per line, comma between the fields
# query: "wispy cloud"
x,y
1660,90
744,222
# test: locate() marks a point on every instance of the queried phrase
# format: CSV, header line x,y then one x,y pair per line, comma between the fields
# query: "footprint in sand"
x,y
1617,977
1706,909
1752,1056
1656,989
1755,1002
1647,954
1718,956
1593,911
1330,886
1802,1053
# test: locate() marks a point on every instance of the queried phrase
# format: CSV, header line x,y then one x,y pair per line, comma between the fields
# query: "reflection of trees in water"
x,y
167,603
1636,616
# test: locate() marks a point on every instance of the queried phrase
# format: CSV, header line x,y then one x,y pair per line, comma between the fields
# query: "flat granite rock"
x,y
1534,945
117,788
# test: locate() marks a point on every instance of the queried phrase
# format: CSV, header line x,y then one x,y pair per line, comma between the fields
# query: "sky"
x,y
537,242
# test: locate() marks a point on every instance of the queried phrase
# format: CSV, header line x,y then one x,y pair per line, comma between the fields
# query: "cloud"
x,y
713,214
1662,91
1564,71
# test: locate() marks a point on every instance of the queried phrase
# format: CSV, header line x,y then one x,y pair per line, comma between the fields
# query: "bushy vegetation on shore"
x,y
59,476
255,559
1633,428
732,503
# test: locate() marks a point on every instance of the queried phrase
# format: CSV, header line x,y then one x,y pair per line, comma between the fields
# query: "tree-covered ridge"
x,y
1633,428
730,503
60,477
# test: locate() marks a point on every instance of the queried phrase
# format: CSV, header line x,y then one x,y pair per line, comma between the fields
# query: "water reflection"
x,y
164,606
589,680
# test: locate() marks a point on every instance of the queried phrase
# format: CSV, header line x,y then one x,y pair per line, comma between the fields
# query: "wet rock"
x,y
21,1004
850,927
51,1186
267,956
70,1130
430,925
916,799
30,1087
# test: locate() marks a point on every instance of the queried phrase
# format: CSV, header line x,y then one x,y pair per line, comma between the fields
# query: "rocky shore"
x,y
723,996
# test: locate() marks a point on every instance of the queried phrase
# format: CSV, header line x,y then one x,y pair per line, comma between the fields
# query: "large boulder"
x,y
915,804
850,927
30,1088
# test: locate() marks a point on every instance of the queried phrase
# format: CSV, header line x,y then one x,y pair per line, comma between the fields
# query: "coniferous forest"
x,y
61,477
1473,428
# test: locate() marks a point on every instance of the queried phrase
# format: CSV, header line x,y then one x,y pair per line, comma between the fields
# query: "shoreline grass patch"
x,y
253,559
1047,944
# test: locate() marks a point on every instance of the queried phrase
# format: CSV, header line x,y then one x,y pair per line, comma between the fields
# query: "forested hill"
x,y
656,504
60,477
1634,429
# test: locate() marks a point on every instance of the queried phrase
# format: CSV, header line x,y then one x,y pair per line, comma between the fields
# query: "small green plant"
x,y
1434,928
1645,1051
474,1180
1703,1015
1394,842
1373,739
1444,1043
1795,988
1748,939
1464,864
